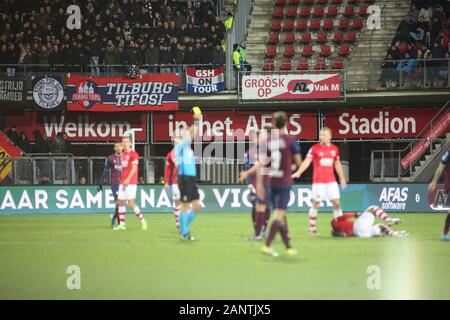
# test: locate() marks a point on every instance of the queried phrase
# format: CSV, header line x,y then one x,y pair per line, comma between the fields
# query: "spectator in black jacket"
x,y
132,55
218,56
13,135
94,56
151,57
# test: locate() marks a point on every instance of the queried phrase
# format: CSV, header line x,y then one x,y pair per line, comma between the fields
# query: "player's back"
x,y
280,150
185,159
323,158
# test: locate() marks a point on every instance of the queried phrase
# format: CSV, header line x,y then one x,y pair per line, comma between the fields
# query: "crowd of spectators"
x,y
113,32
422,40
59,145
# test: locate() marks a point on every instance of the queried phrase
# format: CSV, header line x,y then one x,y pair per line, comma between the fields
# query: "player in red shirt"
x,y
171,185
444,167
325,159
362,224
128,184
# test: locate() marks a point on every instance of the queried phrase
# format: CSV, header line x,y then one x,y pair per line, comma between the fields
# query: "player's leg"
x,y
318,193
385,230
363,226
196,206
115,216
383,215
176,204
131,194
332,194
122,196
445,236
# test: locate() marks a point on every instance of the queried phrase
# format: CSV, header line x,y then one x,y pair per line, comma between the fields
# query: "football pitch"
x,y
36,251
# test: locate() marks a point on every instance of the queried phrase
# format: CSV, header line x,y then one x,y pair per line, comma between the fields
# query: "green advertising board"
x,y
216,198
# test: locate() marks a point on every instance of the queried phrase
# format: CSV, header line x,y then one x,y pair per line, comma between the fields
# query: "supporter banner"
x,y
7,150
48,94
204,81
81,126
12,91
225,125
438,130
217,198
148,92
386,123
291,87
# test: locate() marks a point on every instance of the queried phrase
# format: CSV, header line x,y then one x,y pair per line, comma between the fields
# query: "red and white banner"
x,y
291,87
80,126
229,126
438,130
148,92
381,123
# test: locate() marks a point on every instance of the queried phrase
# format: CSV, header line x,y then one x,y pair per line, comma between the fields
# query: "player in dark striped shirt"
x,y
113,165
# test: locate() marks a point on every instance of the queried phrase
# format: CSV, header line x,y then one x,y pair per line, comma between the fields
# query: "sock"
x,y
312,220
380,213
447,224
274,227
116,214
183,223
266,218
121,212
284,235
286,226
138,213
337,213
254,218
176,214
260,218
190,219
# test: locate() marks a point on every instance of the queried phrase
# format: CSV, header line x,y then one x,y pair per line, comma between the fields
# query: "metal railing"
x,y
57,169
387,163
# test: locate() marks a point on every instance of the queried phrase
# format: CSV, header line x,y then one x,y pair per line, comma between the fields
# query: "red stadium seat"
x,y
303,64
402,47
322,37
349,11
357,23
280,3
337,2
363,10
268,65
286,65
276,25
343,24
271,52
314,24
294,2
305,12
325,50
291,12
328,24
344,50
289,51
306,37
318,12
337,37
278,12
274,38
320,64
301,25
307,51
289,38
350,36
332,11
289,25
338,63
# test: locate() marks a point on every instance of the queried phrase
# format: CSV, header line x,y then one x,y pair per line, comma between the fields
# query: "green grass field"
x,y
35,251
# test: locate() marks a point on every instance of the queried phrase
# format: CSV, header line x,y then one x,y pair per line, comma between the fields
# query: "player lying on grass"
x,y
113,163
325,159
128,185
363,224
444,166
260,209
190,202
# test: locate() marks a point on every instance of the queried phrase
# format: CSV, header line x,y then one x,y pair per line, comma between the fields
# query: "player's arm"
x,y
197,117
303,167
296,154
250,172
436,177
167,171
340,173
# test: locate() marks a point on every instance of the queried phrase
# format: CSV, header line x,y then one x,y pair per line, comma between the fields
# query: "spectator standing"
x,y
237,64
218,56
151,57
243,51
94,56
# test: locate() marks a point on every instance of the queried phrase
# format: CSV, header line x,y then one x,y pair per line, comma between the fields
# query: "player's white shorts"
x,y
128,192
325,191
175,192
364,226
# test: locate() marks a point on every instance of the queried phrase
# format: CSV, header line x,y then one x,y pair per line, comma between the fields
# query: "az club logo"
x,y
439,200
300,87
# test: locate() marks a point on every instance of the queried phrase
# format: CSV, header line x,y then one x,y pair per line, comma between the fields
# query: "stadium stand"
x,y
120,32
